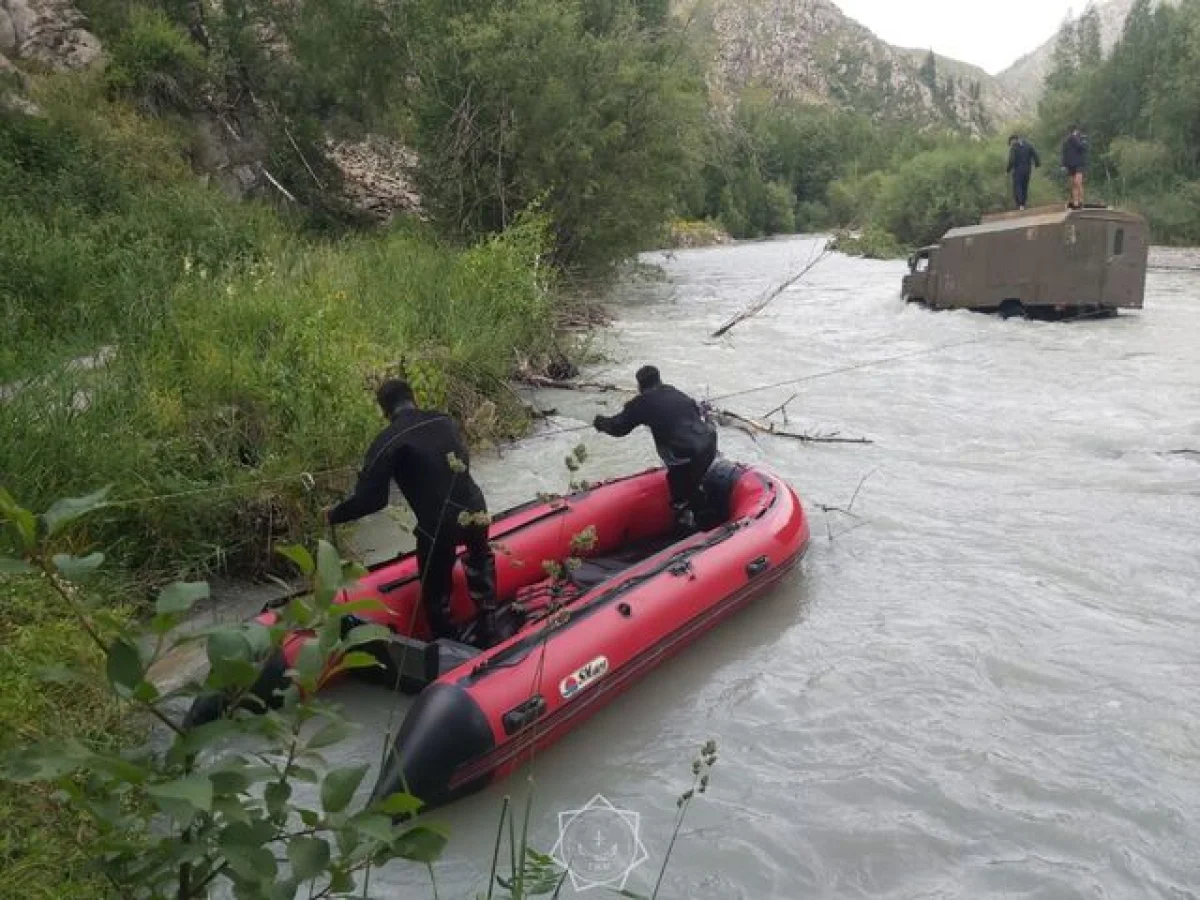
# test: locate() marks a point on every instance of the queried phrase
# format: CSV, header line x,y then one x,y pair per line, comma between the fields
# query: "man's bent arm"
x,y
371,492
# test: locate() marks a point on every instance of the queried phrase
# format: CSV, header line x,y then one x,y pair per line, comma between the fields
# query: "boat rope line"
x,y
815,376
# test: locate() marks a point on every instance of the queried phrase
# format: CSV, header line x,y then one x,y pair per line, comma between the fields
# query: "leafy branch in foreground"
x,y
197,807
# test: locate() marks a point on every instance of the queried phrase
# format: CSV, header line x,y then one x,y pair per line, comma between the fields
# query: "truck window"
x,y
922,264
1118,242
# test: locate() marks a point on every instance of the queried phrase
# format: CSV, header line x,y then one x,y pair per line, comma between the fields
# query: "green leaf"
x,y
229,782
44,761
299,611
22,519
119,768
329,734
421,843
355,607
337,790
195,790
228,644
64,512
124,665
305,774
309,857
358,660
277,794
310,662
247,836
10,566
283,890
366,634
329,574
400,804
378,828
229,658
77,568
310,817
340,881
179,597
301,557
145,692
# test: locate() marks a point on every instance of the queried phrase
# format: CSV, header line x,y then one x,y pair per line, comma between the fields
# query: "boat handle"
x,y
756,567
522,716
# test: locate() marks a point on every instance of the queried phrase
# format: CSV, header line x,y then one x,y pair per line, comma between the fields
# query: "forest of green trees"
x,y
775,168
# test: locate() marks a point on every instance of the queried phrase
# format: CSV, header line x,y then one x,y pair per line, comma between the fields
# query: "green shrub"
x,y
153,61
44,850
942,189
873,242
851,199
1173,215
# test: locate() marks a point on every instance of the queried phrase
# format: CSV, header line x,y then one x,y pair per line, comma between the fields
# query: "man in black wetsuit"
x,y
686,443
1022,158
423,452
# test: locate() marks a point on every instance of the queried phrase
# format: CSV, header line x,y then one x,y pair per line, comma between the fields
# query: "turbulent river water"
x,y
986,683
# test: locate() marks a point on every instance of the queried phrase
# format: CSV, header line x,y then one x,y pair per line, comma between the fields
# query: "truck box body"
x,y
1041,260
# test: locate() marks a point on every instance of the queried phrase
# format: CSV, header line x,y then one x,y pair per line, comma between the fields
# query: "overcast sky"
x,y
989,33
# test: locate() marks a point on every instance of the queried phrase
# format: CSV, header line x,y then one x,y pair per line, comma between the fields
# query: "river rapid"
x,y
984,683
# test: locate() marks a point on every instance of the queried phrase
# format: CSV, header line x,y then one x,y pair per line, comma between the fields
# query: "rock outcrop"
x,y
377,176
810,51
48,32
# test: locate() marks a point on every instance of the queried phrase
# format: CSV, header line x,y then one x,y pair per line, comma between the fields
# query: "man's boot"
x,y
685,520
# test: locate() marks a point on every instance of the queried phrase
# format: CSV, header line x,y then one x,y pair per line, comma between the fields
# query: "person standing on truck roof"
x,y
423,452
1022,159
1074,162
685,440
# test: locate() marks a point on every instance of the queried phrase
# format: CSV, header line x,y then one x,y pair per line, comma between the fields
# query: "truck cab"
x,y
916,283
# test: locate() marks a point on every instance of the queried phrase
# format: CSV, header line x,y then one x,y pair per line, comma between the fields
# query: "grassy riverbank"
x,y
235,352
228,352
43,843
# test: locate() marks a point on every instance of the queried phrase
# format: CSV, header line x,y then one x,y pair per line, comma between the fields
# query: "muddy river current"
x,y
983,682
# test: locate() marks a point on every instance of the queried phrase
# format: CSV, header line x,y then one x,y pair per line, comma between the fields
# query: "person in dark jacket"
x,y
1022,159
686,442
1074,162
423,452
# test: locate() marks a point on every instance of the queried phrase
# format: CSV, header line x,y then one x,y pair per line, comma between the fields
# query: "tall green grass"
x,y
243,351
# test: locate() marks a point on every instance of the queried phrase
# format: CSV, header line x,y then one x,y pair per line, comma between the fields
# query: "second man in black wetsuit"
x,y
685,441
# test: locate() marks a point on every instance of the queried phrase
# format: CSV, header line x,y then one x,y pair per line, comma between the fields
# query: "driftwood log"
x,y
753,310
729,419
542,381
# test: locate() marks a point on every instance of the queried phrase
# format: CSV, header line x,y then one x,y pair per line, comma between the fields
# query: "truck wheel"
x,y
1012,309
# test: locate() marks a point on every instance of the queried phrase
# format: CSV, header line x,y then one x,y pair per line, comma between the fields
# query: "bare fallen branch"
x,y
759,306
729,419
782,408
543,382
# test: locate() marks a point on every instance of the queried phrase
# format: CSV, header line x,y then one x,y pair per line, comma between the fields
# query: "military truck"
x,y
1048,262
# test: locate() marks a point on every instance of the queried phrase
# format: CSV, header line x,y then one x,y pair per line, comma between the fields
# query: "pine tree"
x,y
928,71
1065,61
1089,47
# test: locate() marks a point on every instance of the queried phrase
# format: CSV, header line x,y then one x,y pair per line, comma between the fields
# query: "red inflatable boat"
x,y
642,593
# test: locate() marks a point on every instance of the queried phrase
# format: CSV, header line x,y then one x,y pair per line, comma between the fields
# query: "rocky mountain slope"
x,y
809,50
1027,76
